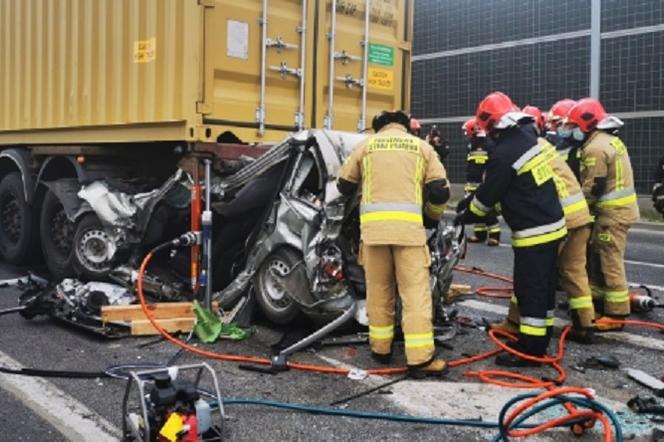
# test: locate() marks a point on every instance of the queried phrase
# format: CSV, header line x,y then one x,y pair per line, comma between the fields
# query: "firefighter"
x,y
608,185
415,127
658,187
400,177
440,144
559,136
520,178
478,156
572,254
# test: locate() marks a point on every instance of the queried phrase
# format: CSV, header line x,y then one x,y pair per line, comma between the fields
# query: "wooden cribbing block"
x,y
459,290
143,327
162,310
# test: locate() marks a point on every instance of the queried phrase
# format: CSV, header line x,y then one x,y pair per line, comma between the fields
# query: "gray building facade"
x,y
539,51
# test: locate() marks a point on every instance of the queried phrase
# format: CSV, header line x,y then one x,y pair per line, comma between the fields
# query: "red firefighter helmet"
x,y
559,110
470,128
491,109
586,114
536,113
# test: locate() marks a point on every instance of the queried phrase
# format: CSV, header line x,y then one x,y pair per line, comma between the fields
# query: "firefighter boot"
x,y
512,360
511,323
506,325
479,233
581,332
494,237
607,326
381,358
434,368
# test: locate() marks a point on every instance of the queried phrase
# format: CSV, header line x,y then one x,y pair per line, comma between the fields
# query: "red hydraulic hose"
x,y
237,358
496,377
500,292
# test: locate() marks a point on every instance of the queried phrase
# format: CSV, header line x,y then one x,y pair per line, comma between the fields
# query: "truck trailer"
x,y
127,92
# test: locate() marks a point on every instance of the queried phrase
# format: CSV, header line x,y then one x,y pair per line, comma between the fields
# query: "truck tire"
x,y
91,259
273,301
19,234
57,237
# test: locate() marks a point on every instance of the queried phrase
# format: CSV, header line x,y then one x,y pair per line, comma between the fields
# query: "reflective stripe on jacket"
x,y
393,168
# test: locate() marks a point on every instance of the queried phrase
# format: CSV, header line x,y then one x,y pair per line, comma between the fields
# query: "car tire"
x,y
91,249
273,301
57,237
19,233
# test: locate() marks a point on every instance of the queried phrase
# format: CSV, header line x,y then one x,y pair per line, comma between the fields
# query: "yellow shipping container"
x,y
96,71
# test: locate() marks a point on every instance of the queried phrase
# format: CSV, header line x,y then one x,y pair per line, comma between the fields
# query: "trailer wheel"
x,y
19,234
272,299
57,237
94,249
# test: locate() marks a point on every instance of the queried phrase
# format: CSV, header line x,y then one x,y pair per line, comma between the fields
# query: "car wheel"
x,y
57,237
93,249
272,299
19,234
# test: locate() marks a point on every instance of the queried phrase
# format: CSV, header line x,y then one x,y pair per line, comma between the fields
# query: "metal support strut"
x,y
299,116
328,121
260,112
280,361
207,235
362,123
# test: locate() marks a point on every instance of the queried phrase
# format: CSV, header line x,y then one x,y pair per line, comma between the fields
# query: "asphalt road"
x,y
32,409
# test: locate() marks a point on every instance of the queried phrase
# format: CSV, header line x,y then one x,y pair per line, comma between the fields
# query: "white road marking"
x,y
454,400
627,261
336,363
648,231
631,262
643,263
70,417
629,338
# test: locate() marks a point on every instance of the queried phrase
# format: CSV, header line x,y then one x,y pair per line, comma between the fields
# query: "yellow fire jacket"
x,y
607,179
393,168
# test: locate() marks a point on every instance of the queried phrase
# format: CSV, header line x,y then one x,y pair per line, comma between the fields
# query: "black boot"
x,y
580,333
511,360
384,359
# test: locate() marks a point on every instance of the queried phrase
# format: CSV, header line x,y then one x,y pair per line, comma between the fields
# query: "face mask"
x,y
564,132
578,134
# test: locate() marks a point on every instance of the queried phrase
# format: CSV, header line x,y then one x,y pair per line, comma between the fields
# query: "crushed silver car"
x,y
291,239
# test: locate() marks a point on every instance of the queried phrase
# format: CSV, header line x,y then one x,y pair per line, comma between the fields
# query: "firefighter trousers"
x,y
574,276
406,268
573,279
535,277
607,268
